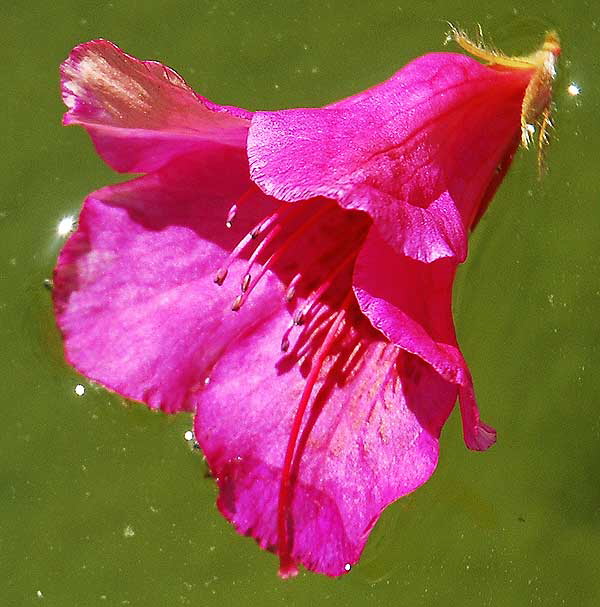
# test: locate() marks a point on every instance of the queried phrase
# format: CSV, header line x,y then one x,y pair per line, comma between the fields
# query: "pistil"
x,y
287,567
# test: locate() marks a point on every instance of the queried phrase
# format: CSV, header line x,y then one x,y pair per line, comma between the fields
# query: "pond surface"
x,y
105,503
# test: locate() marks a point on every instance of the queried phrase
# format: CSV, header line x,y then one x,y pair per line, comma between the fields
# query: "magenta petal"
x,y
416,152
141,114
410,303
369,437
133,288
478,436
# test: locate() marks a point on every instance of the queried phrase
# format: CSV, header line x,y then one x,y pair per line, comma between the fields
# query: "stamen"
x,y
291,290
220,276
231,215
264,225
309,328
237,303
245,241
286,563
354,237
275,256
324,286
311,305
320,324
269,238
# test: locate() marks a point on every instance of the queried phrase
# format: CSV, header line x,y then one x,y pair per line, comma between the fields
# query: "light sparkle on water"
x,y
128,531
65,226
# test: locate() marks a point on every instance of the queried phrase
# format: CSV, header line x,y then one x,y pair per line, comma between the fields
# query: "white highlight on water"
x,y
128,531
65,226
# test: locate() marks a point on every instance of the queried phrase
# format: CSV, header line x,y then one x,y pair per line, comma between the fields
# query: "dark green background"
x,y
103,503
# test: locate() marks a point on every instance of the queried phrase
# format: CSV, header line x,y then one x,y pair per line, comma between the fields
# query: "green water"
x,y
104,503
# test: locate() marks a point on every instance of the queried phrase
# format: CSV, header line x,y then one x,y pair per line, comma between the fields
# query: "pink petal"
x,y
410,302
369,437
141,114
417,152
133,288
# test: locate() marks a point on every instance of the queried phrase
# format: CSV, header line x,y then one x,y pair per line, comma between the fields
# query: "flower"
x,y
309,325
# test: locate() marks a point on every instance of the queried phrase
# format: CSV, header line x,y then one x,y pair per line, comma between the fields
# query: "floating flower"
x,y
309,325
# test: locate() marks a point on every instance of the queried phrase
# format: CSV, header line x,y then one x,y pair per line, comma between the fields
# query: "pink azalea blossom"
x,y
309,325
